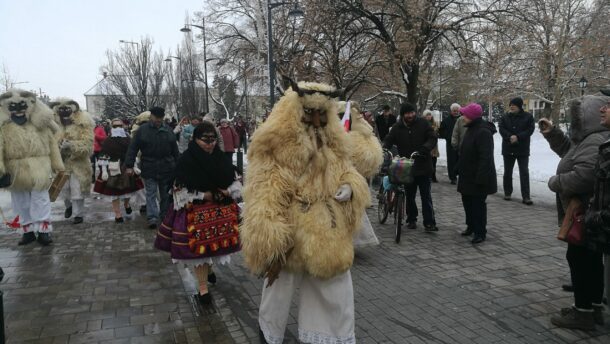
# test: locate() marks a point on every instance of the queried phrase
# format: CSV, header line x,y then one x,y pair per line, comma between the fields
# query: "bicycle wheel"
x,y
383,208
400,204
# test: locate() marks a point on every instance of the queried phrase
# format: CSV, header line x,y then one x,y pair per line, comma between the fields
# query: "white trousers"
x,y
73,197
34,210
326,308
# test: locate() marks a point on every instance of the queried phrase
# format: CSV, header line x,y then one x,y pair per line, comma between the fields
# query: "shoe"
x,y
118,220
434,180
212,278
467,232
477,240
527,201
598,315
453,182
411,225
568,287
574,319
143,210
507,197
27,238
44,239
77,220
68,212
152,226
431,228
128,210
204,299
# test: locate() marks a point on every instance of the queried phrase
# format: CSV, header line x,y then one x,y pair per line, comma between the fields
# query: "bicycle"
x,y
384,196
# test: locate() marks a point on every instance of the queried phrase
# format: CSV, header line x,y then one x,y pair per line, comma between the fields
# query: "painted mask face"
x,y
18,105
316,117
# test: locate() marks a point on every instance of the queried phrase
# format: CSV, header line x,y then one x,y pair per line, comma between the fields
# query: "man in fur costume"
x,y
28,157
367,156
303,202
75,139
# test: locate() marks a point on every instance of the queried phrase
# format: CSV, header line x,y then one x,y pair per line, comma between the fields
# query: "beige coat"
x,y
28,152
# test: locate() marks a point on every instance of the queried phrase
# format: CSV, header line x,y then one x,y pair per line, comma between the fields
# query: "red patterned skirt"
x,y
200,231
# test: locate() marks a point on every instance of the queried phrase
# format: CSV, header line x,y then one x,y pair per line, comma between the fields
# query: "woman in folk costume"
x,y
366,155
29,155
303,202
201,227
75,140
112,180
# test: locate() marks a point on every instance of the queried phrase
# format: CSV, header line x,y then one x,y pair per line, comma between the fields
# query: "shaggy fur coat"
x,y
289,191
28,152
80,134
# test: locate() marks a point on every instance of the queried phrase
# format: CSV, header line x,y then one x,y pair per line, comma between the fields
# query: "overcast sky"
x,y
59,45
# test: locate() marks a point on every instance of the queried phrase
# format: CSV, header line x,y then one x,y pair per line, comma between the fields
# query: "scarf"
x,y
198,170
20,120
118,132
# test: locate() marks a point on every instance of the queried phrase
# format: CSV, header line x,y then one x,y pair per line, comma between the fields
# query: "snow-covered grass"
x,y
542,165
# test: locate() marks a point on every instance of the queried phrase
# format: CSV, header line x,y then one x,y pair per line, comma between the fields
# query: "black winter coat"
x,y
520,124
597,220
476,166
159,151
384,124
446,129
418,136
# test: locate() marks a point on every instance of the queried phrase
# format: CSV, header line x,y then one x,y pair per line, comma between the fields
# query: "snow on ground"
x,y
542,165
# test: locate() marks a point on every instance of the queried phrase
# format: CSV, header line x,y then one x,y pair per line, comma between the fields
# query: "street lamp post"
x,y
583,84
205,60
295,12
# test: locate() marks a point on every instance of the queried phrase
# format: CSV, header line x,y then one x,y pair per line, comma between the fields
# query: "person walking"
x,y
412,134
99,135
516,128
112,180
384,122
435,154
157,143
241,128
184,130
230,139
204,178
446,132
477,171
576,179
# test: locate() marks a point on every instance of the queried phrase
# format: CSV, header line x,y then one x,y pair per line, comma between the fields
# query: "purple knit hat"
x,y
472,111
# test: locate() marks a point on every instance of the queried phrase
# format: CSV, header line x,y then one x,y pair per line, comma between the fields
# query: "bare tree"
x,y
6,79
136,74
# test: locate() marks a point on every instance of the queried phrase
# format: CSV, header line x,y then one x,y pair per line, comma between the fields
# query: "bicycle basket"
x,y
400,171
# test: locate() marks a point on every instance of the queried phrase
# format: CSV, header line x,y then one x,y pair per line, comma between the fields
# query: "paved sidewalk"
x,y
104,283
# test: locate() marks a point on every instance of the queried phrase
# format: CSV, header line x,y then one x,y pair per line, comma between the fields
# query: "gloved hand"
x,y
344,193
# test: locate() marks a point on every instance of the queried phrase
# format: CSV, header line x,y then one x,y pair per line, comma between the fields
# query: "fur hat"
x,y
517,102
472,111
407,107
157,111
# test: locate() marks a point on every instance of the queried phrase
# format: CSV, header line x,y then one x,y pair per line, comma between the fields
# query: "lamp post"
x,y
583,84
296,12
169,59
185,29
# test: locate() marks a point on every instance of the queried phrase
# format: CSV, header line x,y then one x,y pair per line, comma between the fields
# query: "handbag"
x,y
572,228
400,171
212,228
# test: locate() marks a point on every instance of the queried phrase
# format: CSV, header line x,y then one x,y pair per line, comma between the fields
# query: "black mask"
x,y
20,120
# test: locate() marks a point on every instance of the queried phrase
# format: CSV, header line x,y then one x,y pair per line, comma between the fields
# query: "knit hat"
x,y
157,111
406,107
472,111
517,102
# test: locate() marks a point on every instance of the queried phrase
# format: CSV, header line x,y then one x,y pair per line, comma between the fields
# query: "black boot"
x,y
467,232
143,210
27,238
77,220
68,212
212,278
44,239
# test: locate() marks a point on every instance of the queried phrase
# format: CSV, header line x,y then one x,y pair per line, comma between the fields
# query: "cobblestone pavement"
x,y
102,282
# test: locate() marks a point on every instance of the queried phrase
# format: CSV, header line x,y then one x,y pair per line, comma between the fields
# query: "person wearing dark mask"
x,y
516,128
412,134
159,148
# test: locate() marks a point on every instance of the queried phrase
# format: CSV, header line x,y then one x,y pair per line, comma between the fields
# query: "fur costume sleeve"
x,y
83,147
266,232
57,163
365,149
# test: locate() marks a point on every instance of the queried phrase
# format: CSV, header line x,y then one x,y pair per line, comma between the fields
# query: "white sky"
x,y
59,45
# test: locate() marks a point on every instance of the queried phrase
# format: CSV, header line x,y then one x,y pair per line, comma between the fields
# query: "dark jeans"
x,y
424,185
452,158
434,160
153,188
475,209
524,174
229,156
587,270
243,142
